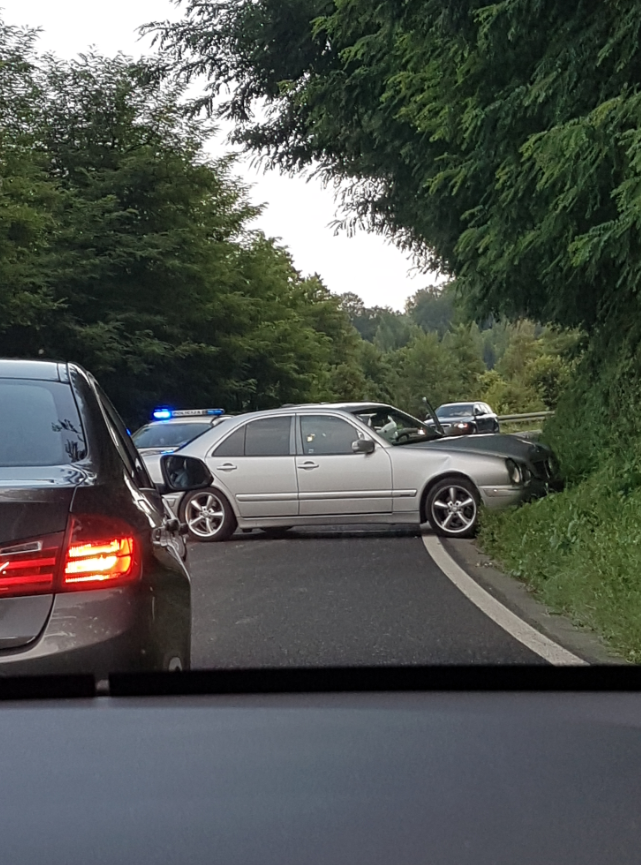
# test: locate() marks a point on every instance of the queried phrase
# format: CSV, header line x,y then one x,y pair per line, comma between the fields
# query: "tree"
x,y
128,250
393,331
500,140
365,319
30,202
424,369
432,309
464,347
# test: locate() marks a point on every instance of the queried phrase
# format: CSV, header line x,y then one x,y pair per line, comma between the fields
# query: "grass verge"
x,y
580,551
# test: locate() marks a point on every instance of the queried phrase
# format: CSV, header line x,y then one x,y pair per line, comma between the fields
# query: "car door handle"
x,y
226,467
308,465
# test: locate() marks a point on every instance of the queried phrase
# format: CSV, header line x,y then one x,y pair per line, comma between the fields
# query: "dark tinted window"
x,y
327,435
39,424
461,409
233,446
171,435
268,438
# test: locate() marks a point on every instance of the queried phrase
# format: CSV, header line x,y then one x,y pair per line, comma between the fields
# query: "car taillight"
x,y
29,567
101,552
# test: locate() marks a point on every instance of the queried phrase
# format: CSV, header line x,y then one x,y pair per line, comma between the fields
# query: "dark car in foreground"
x,y
467,418
92,570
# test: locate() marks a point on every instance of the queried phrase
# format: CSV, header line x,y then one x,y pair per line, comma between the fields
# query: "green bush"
x,y
581,549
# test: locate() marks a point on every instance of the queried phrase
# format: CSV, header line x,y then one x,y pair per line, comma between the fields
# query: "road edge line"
x,y
516,627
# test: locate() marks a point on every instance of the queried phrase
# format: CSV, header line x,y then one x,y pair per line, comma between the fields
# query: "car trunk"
x,y
34,505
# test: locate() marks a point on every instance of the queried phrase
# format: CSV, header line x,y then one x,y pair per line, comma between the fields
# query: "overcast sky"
x,y
297,212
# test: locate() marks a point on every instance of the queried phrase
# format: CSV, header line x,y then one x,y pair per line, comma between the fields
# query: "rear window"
x,y
39,424
170,435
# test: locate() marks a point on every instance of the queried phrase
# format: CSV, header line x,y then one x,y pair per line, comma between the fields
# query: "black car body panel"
x,y
142,625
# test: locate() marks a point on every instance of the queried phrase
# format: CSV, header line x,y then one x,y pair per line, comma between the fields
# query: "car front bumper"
x,y
497,497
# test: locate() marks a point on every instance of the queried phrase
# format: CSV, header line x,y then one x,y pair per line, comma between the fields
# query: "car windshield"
x,y
39,424
167,434
397,427
461,409
450,207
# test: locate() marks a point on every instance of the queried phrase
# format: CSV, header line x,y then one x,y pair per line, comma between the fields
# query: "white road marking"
x,y
504,618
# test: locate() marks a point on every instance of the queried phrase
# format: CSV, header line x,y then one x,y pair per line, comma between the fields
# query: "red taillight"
x,y
29,567
101,552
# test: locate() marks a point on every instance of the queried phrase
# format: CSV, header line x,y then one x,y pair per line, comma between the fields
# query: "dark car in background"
x,y
92,569
467,418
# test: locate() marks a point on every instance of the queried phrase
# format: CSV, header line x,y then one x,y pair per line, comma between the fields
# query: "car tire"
x,y
207,515
452,508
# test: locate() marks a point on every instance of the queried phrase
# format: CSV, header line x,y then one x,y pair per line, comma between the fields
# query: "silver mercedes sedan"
x,y
348,463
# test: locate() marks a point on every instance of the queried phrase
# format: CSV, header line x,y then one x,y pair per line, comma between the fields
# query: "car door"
x,y
255,467
482,419
332,479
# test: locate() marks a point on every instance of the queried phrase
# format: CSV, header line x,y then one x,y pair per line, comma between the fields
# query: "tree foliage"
x,y
123,247
501,139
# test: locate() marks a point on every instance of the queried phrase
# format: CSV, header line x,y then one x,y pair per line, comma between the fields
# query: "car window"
x,y
234,445
39,424
158,435
395,426
324,434
269,437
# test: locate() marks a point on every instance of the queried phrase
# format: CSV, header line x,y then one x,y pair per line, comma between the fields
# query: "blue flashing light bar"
x,y
167,413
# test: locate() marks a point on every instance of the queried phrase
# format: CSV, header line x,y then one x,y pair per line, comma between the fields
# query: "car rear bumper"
x,y
98,632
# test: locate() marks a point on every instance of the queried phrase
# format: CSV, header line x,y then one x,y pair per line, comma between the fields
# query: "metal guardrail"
x,y
524,418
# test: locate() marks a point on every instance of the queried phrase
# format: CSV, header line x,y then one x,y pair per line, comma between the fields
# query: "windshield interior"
x,y
139,255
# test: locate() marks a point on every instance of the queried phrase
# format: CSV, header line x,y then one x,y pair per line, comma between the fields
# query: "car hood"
x,y
495,445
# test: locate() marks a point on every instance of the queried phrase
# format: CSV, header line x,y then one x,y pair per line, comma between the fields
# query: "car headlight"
x,y
514,471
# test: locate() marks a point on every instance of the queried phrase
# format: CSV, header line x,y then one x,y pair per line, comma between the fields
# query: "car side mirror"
x,y
183,474
363,446
477,412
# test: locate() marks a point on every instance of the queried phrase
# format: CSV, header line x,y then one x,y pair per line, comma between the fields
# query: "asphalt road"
x,y
335,596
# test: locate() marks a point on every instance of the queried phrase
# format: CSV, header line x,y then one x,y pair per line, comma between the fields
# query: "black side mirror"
x,y
182,474
363,446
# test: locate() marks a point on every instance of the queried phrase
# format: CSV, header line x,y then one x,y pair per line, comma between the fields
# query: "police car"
x,y
169,430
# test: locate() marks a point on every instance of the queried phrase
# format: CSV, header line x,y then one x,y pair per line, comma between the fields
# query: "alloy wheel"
x,y
454,509
204,514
